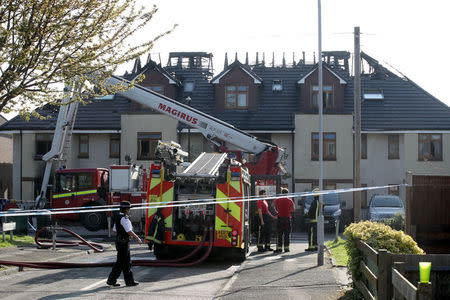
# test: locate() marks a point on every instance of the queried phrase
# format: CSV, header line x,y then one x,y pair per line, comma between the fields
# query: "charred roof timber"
x,y
337,59
376,70
191,60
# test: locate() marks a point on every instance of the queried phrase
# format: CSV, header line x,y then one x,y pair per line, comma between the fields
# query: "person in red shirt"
x,y
265,228
283,207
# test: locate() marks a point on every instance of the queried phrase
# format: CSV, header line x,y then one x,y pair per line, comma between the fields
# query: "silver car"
x,y
384,207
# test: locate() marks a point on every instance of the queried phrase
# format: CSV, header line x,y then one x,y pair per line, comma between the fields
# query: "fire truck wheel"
x,y
93,221
161,252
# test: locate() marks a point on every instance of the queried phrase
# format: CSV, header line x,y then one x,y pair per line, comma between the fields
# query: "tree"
x,y
46,44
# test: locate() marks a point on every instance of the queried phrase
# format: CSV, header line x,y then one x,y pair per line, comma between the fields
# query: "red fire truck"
x,y
210,193
73,188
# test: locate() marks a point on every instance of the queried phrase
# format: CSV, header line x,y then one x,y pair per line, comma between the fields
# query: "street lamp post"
x,y
320,221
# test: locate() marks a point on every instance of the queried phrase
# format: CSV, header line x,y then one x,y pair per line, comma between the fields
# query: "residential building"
x,y
404,128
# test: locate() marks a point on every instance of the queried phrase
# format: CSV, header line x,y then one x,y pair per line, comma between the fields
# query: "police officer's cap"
x,y
125,204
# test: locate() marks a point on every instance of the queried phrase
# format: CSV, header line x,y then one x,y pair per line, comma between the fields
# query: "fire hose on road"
x,y
98,248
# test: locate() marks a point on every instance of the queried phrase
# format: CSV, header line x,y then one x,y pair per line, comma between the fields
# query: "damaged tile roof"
x,y
405,105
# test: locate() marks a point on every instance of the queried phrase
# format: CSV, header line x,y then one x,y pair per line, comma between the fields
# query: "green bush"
x,y
397,222
378,236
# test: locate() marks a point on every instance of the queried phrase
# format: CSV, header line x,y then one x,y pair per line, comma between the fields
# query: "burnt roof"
x,y
405,106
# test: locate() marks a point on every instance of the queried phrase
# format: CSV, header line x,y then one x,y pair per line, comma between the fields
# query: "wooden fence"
x,y
387,276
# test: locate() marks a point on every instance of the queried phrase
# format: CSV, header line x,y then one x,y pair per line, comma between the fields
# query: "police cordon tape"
x,y
183,203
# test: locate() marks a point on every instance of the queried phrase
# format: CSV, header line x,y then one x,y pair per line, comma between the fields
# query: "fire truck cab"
x,y
74,188
81,187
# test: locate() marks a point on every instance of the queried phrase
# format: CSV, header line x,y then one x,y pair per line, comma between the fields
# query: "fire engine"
x,y
211,192
98,186
95,190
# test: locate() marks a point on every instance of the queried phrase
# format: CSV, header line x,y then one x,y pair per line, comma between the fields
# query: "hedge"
x,y
378,236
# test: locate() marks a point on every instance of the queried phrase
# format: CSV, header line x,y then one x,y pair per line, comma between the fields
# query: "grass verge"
x,y
338,251
18,240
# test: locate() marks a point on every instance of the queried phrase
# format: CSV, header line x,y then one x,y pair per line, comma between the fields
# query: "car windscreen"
x,y
68,182
386,202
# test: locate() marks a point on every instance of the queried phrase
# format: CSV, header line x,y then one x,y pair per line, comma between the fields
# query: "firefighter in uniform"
x,y
124,230
283,207
313,216
265,228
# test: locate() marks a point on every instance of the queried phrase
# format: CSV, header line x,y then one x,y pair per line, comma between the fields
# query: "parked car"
x,y
384,207
331,209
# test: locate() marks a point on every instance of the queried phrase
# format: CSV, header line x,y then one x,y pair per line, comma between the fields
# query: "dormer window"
x,y
327,97
189,86
373,94
236,97
277,85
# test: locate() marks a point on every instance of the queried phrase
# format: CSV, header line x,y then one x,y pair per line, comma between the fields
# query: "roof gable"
x,y
151,65
237,64
302,80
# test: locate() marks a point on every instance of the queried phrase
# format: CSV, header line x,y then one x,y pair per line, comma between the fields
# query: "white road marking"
x,y
95,284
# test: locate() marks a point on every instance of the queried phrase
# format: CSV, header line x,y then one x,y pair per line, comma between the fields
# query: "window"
x,y
329,146
363,146
83,146
277,85
236,97
430,147
157,88
393,146
147,143
68,182
43,144
373,94
114,146
189,86
327,97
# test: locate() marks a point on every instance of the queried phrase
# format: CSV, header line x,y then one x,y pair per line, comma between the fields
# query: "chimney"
x,y
137,65
257,59
273,59
293,58
284,61
149,58
264,59
304,57
314,54
246,58
225,64
235,57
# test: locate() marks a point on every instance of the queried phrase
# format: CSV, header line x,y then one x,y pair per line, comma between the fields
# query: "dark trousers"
x,y
312,235
123,264
284,228
264,233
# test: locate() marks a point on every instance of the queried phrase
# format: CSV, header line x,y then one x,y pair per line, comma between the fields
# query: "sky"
x,y
409,36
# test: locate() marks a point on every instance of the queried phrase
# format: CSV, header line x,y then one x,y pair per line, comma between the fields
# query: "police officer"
x,y
313,216
124,230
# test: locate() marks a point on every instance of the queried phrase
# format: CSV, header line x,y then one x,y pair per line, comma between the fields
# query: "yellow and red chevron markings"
x,y
229,214
159,191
